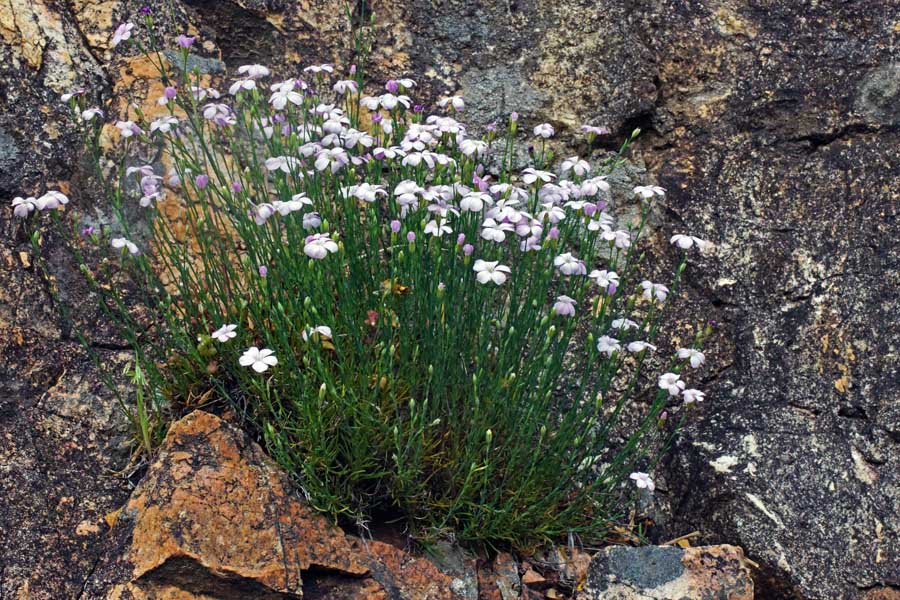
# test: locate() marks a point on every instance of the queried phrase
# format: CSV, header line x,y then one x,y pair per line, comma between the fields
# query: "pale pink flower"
x,y
544,130
318,246
671,382
569,265
121,242
656,291
692,396
564,306
649,191
642,481
608,345
224,333
686,242
437,227
253,71
696,358
122,33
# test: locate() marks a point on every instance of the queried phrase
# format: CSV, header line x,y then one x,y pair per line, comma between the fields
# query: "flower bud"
x,y
488,436
322,389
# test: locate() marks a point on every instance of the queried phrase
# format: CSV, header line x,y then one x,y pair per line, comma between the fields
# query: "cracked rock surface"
x,y
774,126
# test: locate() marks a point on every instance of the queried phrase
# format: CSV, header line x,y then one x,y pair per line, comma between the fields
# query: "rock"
x,y
667,572
499,579
532,578
215,517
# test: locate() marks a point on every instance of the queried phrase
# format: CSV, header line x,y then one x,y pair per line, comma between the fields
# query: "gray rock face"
x,y
774,126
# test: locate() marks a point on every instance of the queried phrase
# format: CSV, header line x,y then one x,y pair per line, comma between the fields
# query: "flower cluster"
x,y
384,301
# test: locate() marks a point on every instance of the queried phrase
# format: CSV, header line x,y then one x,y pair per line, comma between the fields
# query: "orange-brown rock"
x,y
212,498
664,572
215,519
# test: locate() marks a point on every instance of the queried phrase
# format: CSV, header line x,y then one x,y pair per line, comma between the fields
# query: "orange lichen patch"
x,y
708,569
227,510
137,85
412,577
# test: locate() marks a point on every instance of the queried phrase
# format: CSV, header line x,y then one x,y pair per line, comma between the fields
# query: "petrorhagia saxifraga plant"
x,y
390,305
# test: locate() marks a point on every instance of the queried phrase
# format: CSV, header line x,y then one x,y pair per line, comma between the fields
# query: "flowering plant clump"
x,y
390,304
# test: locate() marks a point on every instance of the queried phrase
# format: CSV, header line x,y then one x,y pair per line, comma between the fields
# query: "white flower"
x,y
163,124
648,191
437,227
322,330
282,163
475,201
353,138
123,243
318,246
623,324
69,95
345,85
472,147
51,200
638,346
370,102
620,238
577,165
316,69
253,71
224,333
490,271
285,92
366,191
23,206
531,175
642,481
686,242
336,158
608,345
696,357
90,114
495,232
128,129
296,203
122,33
241,85
262,212
606,279
407,83
258,360
654,290
569,265
311,220
544,130
691,396
390,101
671,383
564,306
551,213
595,185
458,103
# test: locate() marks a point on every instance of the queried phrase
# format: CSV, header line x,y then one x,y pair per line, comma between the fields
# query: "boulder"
x,y
668,572
214,517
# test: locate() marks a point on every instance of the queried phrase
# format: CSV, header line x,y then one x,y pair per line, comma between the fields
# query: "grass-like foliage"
x,y
411,325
